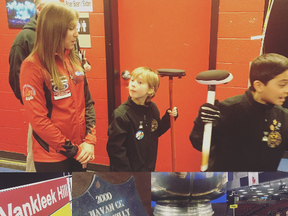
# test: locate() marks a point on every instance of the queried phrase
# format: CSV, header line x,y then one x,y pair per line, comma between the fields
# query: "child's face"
x,y
276,90
138,90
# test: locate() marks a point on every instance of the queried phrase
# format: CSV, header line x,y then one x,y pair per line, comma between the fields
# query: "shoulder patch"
x,y
28,92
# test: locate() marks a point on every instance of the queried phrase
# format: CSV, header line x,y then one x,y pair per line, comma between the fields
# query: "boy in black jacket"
x,y
250,131
136,125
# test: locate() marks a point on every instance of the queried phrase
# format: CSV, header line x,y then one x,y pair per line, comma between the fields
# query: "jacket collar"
x,y
252,102
141,108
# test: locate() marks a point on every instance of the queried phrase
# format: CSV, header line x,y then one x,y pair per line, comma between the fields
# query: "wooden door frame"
x,y
112,55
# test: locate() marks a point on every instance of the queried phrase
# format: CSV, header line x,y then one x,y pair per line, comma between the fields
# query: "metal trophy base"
x,y
183,208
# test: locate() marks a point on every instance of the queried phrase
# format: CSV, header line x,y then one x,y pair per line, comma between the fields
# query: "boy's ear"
x,y
258,85
151,92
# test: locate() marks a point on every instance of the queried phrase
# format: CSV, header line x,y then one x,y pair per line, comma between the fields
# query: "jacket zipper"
x,y
71,83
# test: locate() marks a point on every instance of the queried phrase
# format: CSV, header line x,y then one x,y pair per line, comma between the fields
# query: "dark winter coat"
x,y
249,136
133,136
20,50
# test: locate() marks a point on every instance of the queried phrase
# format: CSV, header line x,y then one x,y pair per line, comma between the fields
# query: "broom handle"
x,y
206,143
173,147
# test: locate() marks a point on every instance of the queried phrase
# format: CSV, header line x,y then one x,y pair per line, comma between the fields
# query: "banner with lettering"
x,y
80,5
37,199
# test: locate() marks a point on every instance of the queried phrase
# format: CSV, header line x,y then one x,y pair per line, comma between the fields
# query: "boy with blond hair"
x,y
136,125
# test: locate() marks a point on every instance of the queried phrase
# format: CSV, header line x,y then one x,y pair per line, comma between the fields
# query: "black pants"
x,y
68,165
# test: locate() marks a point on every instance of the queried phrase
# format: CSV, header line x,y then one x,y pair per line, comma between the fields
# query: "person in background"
x,y
133,133
56,96
81,57
20,49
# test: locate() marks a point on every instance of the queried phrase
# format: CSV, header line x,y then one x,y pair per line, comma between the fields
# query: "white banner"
x,y
253,178
80,5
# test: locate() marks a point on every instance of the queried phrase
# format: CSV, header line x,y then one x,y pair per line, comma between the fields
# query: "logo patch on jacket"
x,y
28,92
139,135
274,137
154,125
64,93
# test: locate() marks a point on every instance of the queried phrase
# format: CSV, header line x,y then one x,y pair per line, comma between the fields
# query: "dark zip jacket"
x,y
20,49
133,136
249,136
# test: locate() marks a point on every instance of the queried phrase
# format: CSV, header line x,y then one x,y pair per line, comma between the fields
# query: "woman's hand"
x,y
86,155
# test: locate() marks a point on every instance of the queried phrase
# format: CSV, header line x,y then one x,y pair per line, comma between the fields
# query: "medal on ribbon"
x,y
140,134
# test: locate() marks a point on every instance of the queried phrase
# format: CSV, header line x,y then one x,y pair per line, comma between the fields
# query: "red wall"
x,y
167,34
97,79
13,128
238,21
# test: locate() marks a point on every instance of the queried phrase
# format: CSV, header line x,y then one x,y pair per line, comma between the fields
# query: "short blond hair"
x,y
149,76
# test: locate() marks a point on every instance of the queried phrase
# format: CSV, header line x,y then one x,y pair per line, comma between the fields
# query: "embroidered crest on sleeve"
x,y
28,92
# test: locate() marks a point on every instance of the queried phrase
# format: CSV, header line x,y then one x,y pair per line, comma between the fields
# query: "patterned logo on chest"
x,y
274,137
154,125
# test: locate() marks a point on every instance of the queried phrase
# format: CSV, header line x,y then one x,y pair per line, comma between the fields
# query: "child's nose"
x,y
286,89
133,83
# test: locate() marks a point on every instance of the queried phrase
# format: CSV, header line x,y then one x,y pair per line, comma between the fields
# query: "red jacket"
x,y
61,120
